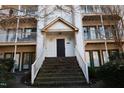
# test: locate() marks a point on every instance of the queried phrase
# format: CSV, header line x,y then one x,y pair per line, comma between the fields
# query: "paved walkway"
x,y
17,82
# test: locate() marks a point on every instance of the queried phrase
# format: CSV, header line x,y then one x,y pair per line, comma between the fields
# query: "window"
x,y
105,9
90,33
114,52
88,58
28,59
96,59
108,32
101,32
3,35
11,33
27,34
11,56
86,33
105,57
110,52
84,8
20,34
93,32
89,8
97,9
17,62
93,58
8,56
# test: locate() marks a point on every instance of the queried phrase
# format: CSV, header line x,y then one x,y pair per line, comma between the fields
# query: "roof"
x,y
63,21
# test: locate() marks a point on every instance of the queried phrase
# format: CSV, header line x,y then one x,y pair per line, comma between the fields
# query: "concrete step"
x,y
60,78
42,74
59,67
60,72
58,84
58,62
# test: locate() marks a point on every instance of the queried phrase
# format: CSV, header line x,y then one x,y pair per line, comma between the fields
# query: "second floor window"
x,y
3,35
89,8
93,32
11,35
23,34
90,32
27,34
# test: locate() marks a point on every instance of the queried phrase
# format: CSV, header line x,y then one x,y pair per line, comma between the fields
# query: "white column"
x,y
17,28
80,34
40,37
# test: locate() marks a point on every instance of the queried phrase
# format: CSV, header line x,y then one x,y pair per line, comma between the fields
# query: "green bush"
x,y
112,73
92,73
7,64
5,71
116,56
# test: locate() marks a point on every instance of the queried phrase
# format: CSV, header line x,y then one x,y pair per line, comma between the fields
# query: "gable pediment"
x,y
59,24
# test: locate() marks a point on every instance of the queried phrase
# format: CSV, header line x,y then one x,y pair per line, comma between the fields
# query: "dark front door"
x,y
60,48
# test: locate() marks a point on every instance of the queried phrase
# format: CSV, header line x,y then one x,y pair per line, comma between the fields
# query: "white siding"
x,y
53,14
59,26
51,48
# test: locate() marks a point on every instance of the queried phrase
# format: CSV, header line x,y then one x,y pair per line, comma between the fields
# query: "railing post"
x,y
32,75
87,74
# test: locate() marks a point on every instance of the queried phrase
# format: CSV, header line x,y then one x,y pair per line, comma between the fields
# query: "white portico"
x,y
59,38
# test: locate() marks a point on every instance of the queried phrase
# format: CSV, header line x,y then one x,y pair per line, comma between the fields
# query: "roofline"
x,y
62,20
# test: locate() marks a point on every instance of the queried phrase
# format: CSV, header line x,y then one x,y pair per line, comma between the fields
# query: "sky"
x,y
62,2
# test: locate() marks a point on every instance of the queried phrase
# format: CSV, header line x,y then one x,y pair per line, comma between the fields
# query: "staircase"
x,y
60,72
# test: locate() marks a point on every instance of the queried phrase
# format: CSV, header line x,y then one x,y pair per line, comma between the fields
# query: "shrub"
x,y
7,64
92,73
116,56
112,73
5,71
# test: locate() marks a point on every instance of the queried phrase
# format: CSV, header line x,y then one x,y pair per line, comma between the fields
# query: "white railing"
x,y
36,66
22,36
6,12
82,64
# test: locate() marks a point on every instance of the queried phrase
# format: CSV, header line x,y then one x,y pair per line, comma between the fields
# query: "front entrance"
x,y
60,48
